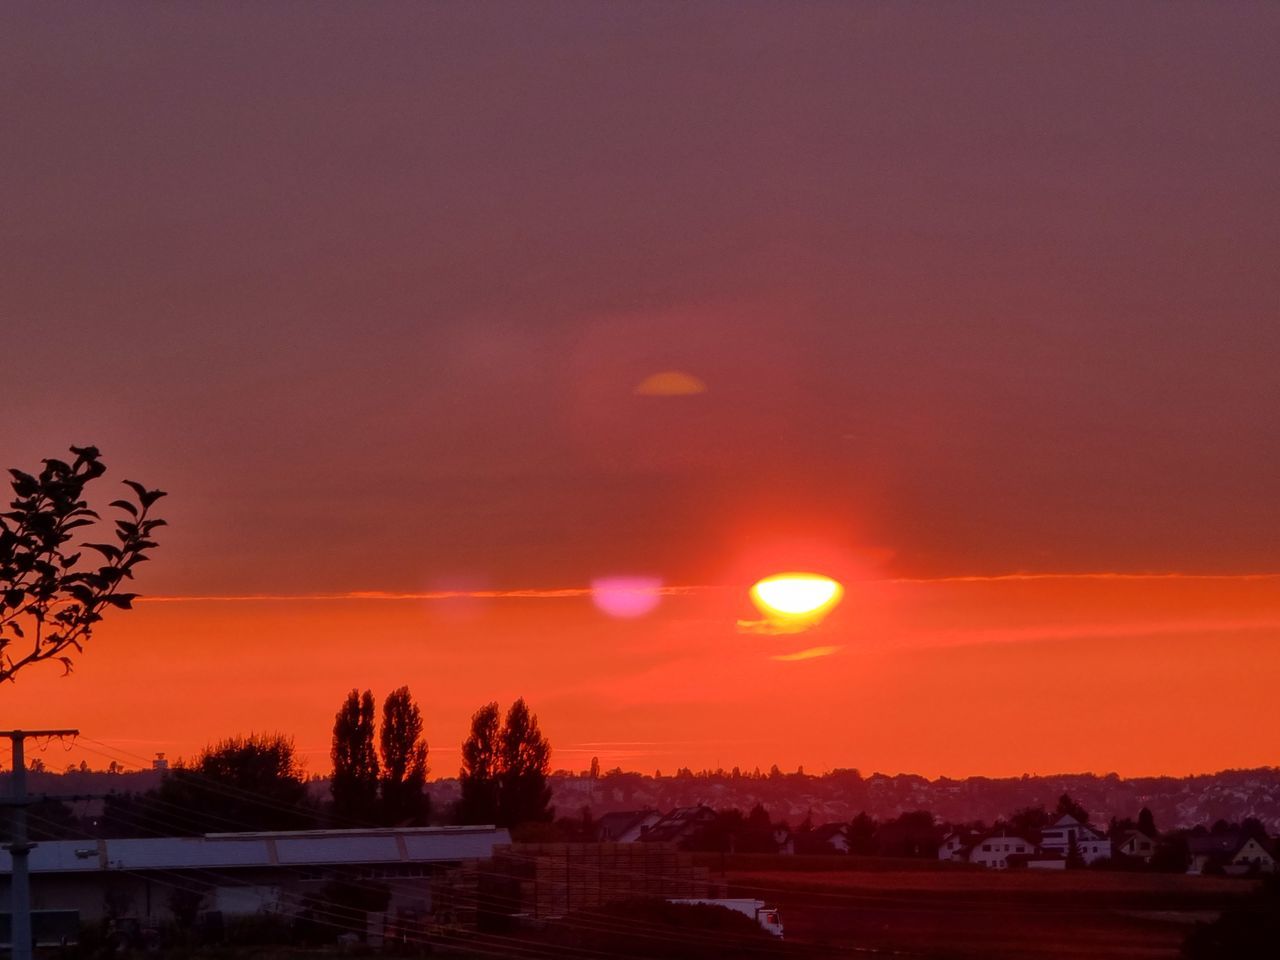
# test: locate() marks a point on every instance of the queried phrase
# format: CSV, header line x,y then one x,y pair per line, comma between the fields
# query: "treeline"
x,y
256,782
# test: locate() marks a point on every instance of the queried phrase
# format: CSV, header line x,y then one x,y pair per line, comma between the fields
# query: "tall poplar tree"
x,y
525,760
355,761
480,768
404,761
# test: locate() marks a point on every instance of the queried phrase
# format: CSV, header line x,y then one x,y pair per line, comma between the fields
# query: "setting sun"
x,y
796,596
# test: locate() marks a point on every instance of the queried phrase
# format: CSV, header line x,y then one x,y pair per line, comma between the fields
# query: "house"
x,y
1068,831
682,823
993,852
1136,844
626,826
245,873
1233,852
956,845
783,840
828,838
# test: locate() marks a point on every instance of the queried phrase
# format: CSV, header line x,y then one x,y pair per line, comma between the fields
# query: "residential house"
x,y
1233,852
681,824
828,838
993,852
1137,845
1090,844
956,845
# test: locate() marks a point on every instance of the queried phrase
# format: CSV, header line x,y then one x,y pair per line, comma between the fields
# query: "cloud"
x,y
560,593
1095,575
812,653
1118,630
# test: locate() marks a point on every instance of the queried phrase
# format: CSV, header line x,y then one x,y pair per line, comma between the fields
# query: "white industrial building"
x,y
243,873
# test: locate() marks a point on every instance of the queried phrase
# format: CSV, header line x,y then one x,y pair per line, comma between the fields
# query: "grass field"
x,y
965,913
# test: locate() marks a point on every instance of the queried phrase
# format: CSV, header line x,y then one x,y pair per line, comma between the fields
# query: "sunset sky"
x,y
428,316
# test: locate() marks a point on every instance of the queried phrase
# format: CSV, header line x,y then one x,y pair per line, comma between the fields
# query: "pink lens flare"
x,y
626,597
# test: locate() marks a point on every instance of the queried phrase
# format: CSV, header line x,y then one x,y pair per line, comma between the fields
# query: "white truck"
x,y
757,910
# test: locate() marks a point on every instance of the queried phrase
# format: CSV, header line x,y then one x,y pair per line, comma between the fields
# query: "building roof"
x,y
616,824
679,823
288,849
1221,844
992,837
1130,835
1083,830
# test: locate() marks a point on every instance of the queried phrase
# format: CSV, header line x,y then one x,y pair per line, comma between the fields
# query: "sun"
x,y
796,597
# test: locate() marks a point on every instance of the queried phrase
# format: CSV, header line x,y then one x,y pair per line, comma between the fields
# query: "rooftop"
x,y
291,849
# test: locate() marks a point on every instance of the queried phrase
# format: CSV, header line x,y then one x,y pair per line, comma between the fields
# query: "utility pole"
x,y
20,848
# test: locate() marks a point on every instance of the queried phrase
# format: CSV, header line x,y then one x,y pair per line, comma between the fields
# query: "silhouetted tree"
x,y
49,600
1256,829
1074,857
1172,853
480,768
524,762
1147,823
912,834
721,835
404,760
756,833
862,834
355,761
242,783
1029,823
1069,808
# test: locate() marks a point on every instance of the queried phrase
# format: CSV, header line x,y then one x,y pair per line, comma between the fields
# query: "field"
x,y
935,911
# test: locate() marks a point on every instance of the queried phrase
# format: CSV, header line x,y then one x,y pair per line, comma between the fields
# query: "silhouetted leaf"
x,y
24,485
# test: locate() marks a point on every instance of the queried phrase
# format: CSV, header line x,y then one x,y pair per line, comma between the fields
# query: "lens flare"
x,y
626,597
670,383
796,597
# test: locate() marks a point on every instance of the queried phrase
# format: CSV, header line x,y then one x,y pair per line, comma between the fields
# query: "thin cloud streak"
x,y
1101,575
1091,631
812,653
562,593
575,593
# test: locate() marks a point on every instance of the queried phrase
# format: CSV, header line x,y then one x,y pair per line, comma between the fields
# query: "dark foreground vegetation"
x,y
832,908
1246,930
634,929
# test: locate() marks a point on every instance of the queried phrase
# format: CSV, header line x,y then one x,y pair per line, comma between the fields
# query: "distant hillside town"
x,y
1175,802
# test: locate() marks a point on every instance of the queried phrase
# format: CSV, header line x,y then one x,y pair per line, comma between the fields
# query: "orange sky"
x,y
509,297
1140,675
